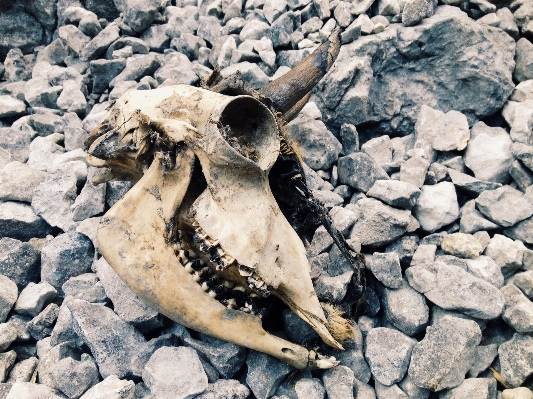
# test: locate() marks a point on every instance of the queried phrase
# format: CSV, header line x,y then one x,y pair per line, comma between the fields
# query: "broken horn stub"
x,y
290,92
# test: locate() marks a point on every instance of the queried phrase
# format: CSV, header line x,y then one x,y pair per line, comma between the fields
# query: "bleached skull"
x,y
200,236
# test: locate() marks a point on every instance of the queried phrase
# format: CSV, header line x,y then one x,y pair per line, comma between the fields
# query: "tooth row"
x,y
217,254
227,292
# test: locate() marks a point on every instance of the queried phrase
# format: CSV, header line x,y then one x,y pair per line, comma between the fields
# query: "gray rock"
x,y
339,382
225,357
386,268
19,262
252,75
138,67
41,325
34,297
524,60
11,107
255,30
99,44
117,347
349,139
388,353
352,357
111,388
63,331
8,296
360,171
406,309
379,224
462,245
343,218
225,389
389,392
453,132
72,98
85,286
478,388
395,193
8,334
472,220
67,255
125,302
139,15
437,206
319,148
281,30
413,391
175,372
470,184
518,115
74,138
332,289
425,253
484,357
446,353
405,247
73,377
414,171
17,143
265,373
521,231
91,200
19,30
296,329
486,268
524,281
43,151
363,390
39,93
309,388
53,198
515,357
74,37
29,390
416,10
352,32
504,206
341,91
507,253
23,371
328,198
459,290
321,241
518,312
488,153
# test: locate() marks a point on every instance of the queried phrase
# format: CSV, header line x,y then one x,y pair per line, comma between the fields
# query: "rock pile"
x,y
419,141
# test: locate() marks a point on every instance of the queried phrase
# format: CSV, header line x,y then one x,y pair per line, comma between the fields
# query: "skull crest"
x,y
201,236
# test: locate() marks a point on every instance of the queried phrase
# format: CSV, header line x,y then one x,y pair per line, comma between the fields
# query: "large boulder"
x,y
18,30
448,62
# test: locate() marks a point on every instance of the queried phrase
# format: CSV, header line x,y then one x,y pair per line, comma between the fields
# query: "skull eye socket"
x,y
251,129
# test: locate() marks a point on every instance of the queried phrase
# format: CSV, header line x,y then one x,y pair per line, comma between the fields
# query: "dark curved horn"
x,y
288,92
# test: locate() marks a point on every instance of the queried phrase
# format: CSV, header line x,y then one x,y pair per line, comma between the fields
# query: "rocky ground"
x,y
419,141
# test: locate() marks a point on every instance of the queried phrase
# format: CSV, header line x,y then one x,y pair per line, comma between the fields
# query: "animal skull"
x,y
200,236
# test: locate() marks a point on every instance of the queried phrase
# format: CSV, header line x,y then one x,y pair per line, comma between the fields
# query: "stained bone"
x,y
237,141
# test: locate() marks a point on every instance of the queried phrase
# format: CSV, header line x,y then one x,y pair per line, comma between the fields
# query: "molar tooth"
x,y
189,268
245,271
205,287
197,264
196,277
183,256
212,294
228,284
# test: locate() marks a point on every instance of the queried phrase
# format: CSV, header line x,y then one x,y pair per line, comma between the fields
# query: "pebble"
x,y
406,309
19,261
7,360
414,171
473,221
524,281
34,297
8,296
296,329
225,357
360,171
379,224
442,359
339,382
333,289
517,115
41,325
462,245
475,388
23,371
386,268
388,353
175,372
73,377
518,312
517,393
459,290
514,359
454,133
67,255
86,286
117,347
265,373
111,388
486,268
437,206
504,206
508,254
485,356
28,390
352,357
225,389
395,193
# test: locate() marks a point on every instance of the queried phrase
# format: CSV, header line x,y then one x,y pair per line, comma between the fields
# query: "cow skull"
x,y
200,236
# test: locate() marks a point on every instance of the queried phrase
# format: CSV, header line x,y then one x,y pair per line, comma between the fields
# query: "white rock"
x,y
437,206
111,388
